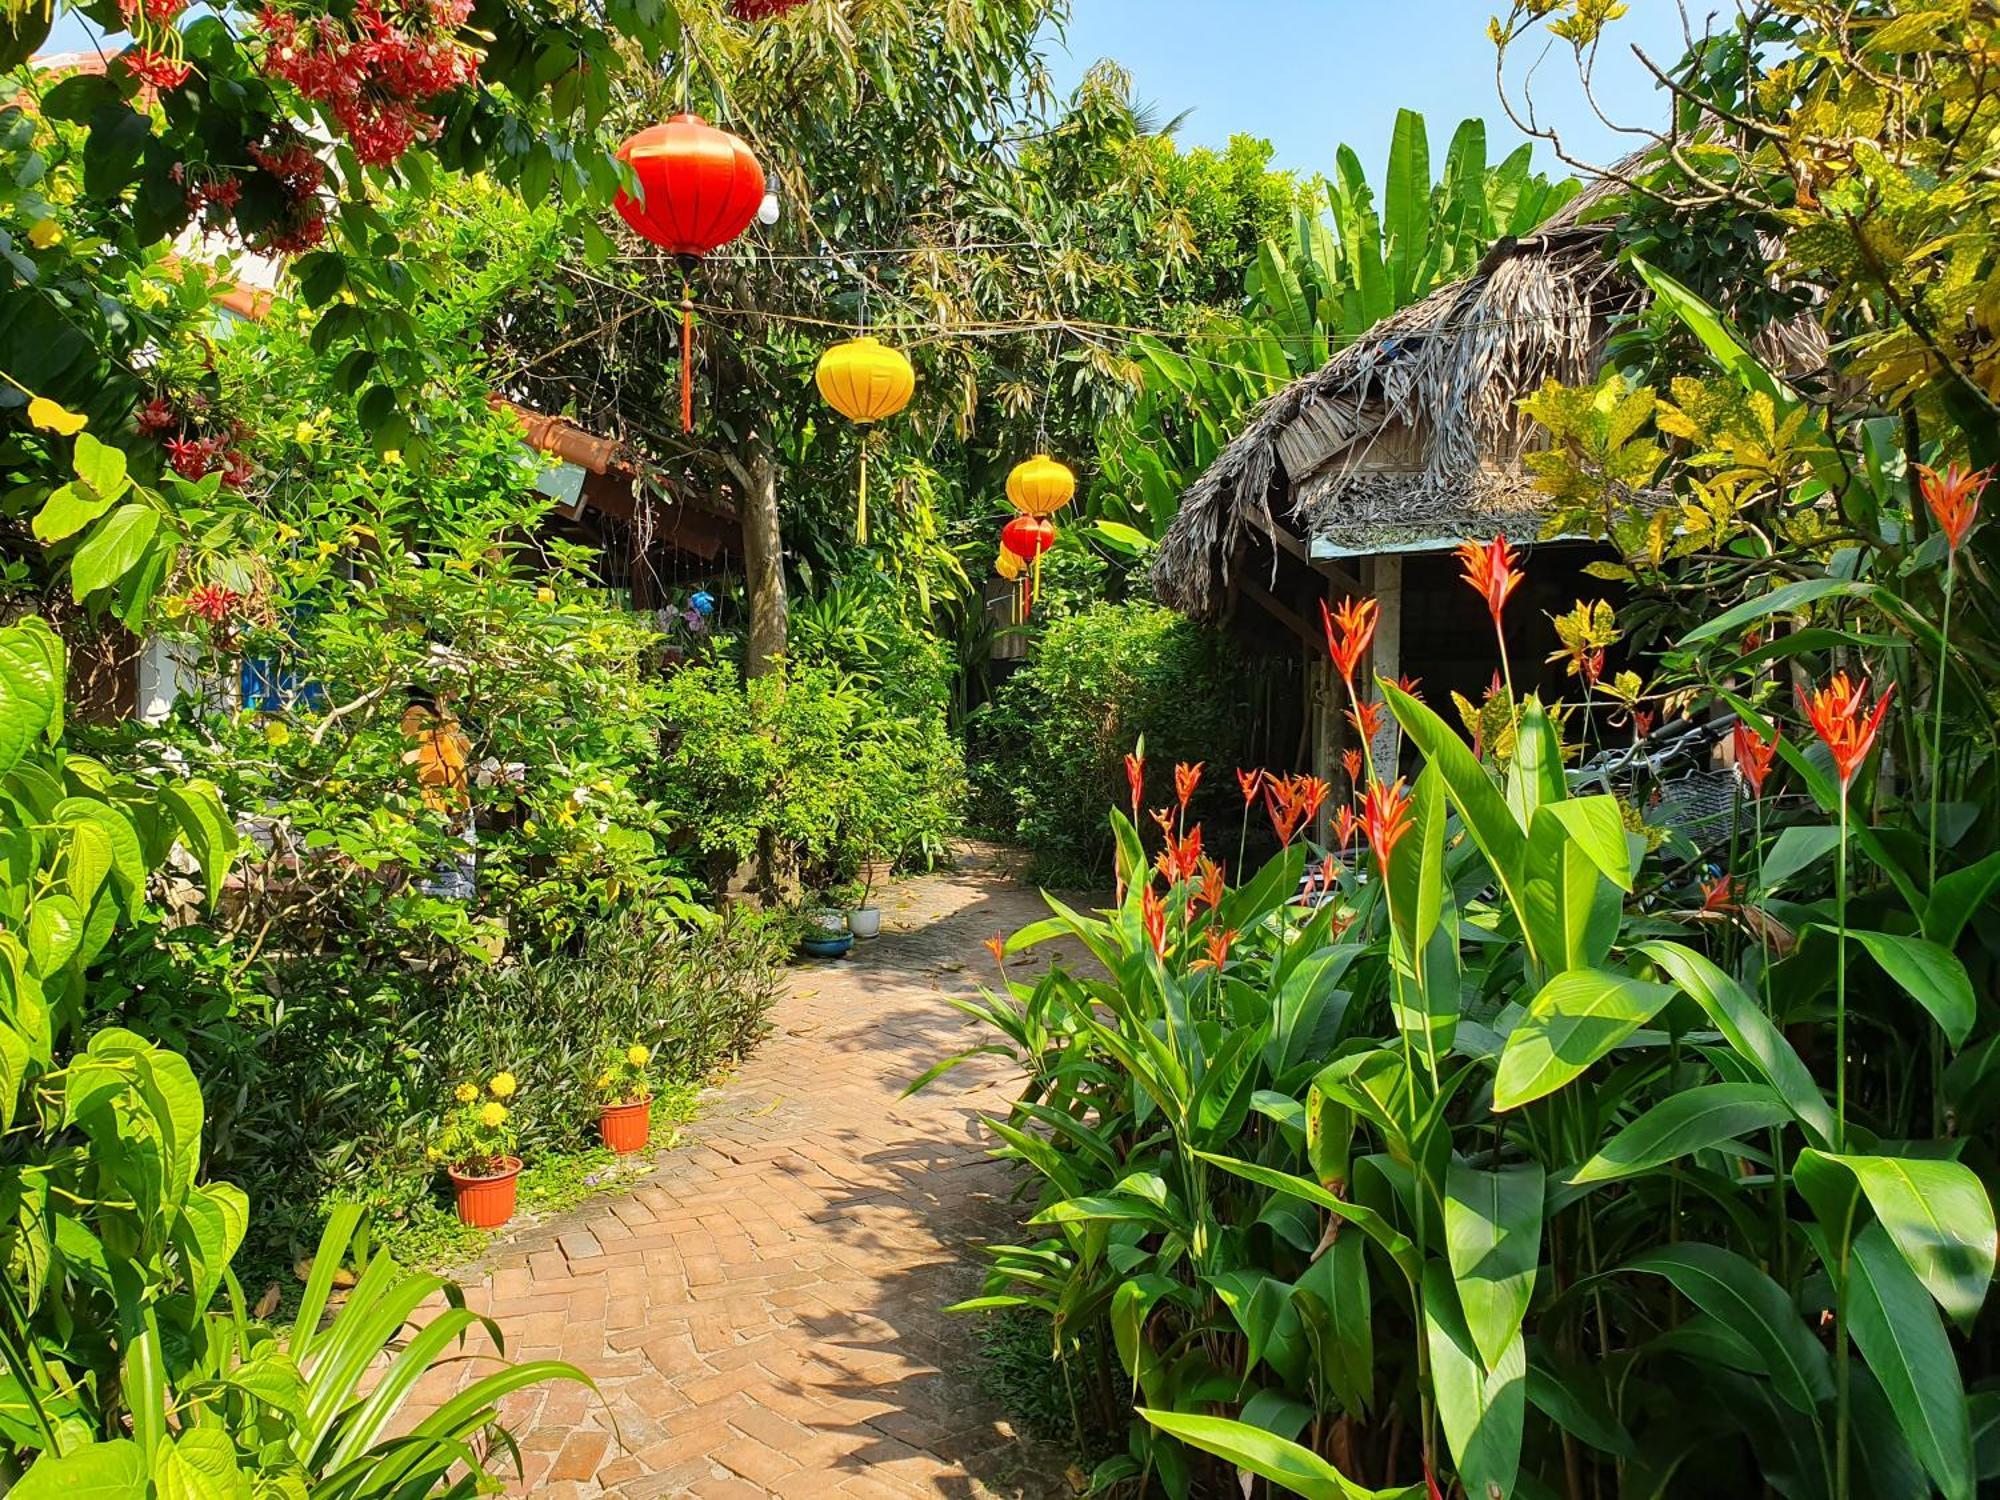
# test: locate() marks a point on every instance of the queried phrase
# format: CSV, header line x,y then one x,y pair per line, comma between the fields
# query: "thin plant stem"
x,y
1842,1380
1937,785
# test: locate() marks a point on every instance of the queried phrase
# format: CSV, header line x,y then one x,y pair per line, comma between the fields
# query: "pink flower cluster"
x,y
155,68
192,453
301,173
373,69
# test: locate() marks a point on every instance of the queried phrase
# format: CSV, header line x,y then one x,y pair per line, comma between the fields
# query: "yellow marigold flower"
x,y
465,1093
493,1116
502,1085
275,733
605,1080
44,233
545,596
638,1056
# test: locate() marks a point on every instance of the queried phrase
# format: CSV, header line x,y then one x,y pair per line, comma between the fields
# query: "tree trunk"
x,y
763,557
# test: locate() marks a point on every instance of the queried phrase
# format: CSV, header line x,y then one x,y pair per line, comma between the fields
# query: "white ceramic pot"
x,y
865,921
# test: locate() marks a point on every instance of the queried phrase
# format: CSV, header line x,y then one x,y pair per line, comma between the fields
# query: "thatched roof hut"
x,y
1409,438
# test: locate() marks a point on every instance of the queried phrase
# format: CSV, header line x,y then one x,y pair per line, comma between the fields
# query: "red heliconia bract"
x,y
1953,498
1135,778
1349,630
1216,942
1840,716
1153,912
1490,571
1755,755
1385,813
1250,783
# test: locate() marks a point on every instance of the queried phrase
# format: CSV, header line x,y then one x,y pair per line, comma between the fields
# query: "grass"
x,y
1045,1397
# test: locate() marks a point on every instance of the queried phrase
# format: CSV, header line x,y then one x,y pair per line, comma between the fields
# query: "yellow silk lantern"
x,y
1040,486
866,382
1010,565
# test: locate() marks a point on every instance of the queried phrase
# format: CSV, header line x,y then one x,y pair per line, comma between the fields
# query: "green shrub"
x,y
1049,750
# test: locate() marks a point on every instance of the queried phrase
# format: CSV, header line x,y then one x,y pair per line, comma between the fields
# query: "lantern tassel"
x,y
687,359
861,517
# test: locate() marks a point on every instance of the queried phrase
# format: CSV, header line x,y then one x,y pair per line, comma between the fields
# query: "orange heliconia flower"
x,y
1755,755
1840,716
997,946
1346,824
1413,686
1718,896
1593,666
1293,801
1385,813
1252,782
1490,571
1953,497
1217,944
1135,778
1186,854
1164,816
1642,723
1349,630
1214,884
1186,779
1366,717
1153,912
1350,762
1313,793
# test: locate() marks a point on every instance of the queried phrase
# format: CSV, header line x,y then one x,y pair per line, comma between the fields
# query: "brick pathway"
x,y
762,1313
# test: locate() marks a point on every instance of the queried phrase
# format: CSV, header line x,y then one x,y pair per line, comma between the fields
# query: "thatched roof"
x,y
1412,433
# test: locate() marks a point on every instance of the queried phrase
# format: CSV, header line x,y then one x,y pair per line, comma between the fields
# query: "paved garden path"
x,y
761,1313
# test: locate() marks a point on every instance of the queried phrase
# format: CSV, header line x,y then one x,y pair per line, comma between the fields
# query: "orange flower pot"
x,y
627,1127
487,1202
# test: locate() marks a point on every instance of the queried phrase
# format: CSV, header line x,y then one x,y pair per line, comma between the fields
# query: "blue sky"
x,y
1308,75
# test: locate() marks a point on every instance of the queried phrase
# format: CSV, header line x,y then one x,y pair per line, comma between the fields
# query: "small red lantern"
x,y
1028,537
699,188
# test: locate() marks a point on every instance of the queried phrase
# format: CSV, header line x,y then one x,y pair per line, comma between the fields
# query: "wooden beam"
x,y
1278,610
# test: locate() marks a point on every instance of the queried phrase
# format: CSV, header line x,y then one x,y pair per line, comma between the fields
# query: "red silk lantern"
x,y
699,188
1028,537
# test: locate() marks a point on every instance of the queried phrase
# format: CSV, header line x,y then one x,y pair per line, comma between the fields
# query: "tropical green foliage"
x,y
1049,749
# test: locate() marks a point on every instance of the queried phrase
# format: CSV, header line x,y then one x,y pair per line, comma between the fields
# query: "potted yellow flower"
x,y
477,1148
626,1117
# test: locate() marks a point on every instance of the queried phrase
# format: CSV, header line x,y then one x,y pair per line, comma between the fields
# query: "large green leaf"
x,y
30,689
1899,1334
114,547
1797,848
1482,1411
1265,1454
1748,1031
1931,975
102,1471
1722,342
1754,1307
1958,897
1576,1019
1336,1303
1406,203
1391,1239
1682,1124
1936,1212
1493,1235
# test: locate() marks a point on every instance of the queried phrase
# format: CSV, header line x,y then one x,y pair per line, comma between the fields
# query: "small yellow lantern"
x,y
1010,565
866,382
1040,486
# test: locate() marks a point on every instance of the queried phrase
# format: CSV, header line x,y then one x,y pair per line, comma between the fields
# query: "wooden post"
x,y
1385,576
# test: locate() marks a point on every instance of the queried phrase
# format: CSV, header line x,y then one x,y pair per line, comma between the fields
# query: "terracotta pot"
x,y
487,1202
627,1127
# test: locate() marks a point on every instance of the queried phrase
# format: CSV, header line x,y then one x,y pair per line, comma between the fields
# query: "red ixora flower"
x,y
1953,498
1135,778
1186,779
1251,783
1349,630
1755,755
1840,716
1490,572
1385,813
